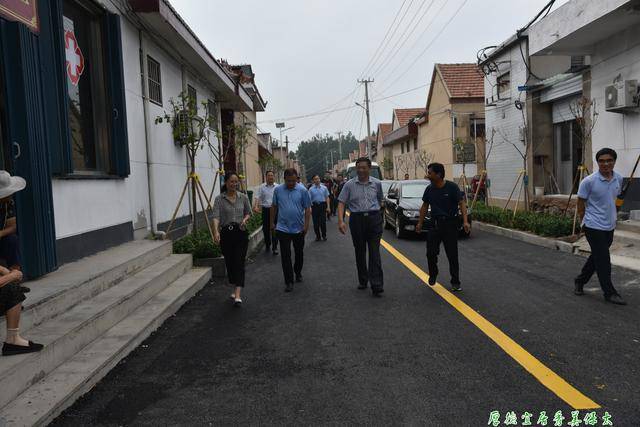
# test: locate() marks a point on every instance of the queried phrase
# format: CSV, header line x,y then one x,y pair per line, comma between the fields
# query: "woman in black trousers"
x,y
231,211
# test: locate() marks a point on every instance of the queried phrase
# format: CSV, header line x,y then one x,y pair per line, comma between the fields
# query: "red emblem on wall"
x,y
75,60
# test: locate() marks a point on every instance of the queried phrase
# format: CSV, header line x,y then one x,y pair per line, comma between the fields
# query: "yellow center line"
x,y
546,376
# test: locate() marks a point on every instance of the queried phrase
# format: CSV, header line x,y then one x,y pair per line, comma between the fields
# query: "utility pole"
x,y
339,133
366,103
287,145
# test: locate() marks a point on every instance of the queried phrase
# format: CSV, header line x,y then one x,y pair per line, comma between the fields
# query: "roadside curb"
x,y
523,236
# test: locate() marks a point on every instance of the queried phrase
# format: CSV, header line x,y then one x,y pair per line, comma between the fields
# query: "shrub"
x,y
200,245
542,224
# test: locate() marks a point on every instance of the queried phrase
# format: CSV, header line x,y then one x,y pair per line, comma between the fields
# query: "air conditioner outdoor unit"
x,y
621,96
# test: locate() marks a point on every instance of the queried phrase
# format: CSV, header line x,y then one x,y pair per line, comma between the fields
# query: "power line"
x,y
317,113
371,61
410,51
428,46
403,40
393,33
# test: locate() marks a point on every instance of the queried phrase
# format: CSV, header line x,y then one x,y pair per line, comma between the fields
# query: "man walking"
x,y
291,209
597,209
319,195
328,182
262,203
363,197
446,200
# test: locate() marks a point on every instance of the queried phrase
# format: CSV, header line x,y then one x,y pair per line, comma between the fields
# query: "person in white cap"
x,y
9,244
11,293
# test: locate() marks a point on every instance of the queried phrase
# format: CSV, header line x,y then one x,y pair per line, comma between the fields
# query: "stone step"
x,y
66,334
630,225
46,399
78,281
627,238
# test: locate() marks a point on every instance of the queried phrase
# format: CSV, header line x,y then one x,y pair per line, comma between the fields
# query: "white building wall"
x,y
83,205
618,55
504,162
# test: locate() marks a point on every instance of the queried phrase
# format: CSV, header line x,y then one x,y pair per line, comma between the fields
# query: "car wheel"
x,y
399,230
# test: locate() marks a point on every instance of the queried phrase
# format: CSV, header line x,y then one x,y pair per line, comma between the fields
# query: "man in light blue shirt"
x,y
363,197
291,214
319,195
597,208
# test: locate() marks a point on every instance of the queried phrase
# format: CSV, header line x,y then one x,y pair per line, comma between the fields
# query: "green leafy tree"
x,y
315,152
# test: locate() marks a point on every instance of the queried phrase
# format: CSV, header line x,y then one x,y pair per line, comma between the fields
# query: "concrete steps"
x,y
78,281
46,399
97,310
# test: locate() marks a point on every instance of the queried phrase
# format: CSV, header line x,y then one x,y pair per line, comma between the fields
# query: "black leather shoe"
x,y
12,349
298,278
578,289
432,280
275,252
615,299
362,286
324,238
289,287
377,293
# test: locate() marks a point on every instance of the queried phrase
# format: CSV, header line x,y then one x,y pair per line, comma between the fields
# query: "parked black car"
x,y
386,185
402,207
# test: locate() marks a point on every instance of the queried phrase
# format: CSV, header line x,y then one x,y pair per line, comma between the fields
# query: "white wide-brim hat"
x,y
10,184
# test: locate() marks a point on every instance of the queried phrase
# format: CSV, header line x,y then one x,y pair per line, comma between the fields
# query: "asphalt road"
x,y
331,354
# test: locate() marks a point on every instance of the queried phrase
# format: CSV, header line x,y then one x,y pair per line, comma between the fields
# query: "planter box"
x,y
218,268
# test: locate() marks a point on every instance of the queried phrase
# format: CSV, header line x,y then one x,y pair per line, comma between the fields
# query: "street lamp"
x,y
281,126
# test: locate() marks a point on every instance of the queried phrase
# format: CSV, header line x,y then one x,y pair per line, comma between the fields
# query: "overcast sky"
x,y
308,55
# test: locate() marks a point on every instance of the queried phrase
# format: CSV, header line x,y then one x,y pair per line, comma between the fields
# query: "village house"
x,y
403,138
453,129
101,171
382,131
245,154
546,113
599,40
89,95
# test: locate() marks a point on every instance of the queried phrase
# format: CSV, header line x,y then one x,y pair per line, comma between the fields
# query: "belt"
x,y
367,213
231,226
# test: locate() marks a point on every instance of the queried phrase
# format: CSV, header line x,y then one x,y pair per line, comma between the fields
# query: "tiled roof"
x,y
462,80
404,115
383,130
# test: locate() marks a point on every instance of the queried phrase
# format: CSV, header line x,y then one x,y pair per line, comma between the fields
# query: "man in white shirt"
x,y
262,203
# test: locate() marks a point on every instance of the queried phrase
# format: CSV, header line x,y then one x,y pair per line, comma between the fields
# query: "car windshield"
x,y
375,172
413,191
385,187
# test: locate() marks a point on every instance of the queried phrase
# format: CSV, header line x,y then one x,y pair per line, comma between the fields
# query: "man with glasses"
x,y
597,209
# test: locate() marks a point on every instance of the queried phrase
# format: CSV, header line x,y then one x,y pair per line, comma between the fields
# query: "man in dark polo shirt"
x,y
446,200
362,195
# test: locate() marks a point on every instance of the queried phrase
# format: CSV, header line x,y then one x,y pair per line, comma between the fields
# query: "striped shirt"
x,y
227,212
362,196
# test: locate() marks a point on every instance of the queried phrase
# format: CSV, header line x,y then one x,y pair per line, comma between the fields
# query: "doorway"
x,y
568,154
